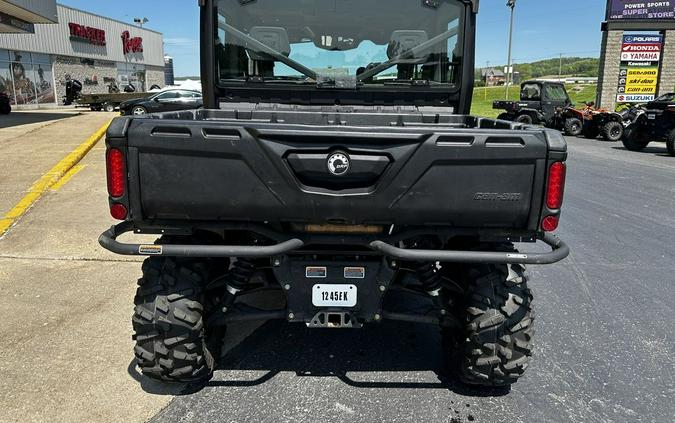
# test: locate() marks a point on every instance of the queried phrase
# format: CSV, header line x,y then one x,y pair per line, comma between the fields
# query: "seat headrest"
x,y
273,37
403,40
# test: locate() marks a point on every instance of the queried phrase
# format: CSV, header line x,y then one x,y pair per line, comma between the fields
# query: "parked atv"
x,y
602,122
654,121
545,103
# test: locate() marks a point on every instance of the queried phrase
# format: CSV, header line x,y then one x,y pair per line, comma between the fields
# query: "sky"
x,y
543,28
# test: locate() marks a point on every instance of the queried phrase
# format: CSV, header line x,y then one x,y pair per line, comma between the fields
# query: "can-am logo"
x,y
87,34
338,164
131,45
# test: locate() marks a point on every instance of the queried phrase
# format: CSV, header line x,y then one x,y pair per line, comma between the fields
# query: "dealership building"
x,y
637,61
36,64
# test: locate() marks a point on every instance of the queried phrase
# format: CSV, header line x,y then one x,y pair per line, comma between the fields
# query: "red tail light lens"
x,y
556,185
550,223
118,211
117,173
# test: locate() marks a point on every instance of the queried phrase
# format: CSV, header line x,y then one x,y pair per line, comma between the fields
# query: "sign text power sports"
x,y
642,9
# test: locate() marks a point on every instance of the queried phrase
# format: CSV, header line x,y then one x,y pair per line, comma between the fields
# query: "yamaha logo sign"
x,y
338,164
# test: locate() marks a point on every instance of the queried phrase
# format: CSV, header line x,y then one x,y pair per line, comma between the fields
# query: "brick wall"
x,y
610,59
154,76
667,77
93,74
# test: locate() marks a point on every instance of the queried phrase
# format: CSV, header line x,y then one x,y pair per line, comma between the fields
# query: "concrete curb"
x,y
49,179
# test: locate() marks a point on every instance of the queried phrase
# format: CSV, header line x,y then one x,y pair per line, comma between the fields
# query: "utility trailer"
x,y
336,187
108,102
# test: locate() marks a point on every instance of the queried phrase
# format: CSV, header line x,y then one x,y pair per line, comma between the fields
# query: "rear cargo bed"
x,y
405,168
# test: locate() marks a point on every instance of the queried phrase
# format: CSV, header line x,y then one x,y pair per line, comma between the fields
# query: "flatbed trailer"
x,y
108,102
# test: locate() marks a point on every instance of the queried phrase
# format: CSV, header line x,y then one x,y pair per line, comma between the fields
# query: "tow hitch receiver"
x,y
334,320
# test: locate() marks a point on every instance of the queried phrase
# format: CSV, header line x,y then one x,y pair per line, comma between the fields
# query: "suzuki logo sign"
x,y
131,45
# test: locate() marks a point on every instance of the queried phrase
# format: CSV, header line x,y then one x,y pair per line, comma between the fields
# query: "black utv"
x,y
334,164
655,121
543,103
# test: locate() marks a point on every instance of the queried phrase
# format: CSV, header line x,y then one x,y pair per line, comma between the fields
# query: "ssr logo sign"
x,y
131,45
87,34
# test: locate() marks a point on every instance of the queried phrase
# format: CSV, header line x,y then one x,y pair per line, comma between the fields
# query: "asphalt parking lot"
x,y
605,329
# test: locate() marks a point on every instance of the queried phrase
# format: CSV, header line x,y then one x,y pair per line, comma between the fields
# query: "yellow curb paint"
x,y
67,177
50,179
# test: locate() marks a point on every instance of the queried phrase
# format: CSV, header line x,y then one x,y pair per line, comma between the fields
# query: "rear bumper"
x,y
108,240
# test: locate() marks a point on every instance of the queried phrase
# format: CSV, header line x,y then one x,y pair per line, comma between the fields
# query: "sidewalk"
x,y
28,151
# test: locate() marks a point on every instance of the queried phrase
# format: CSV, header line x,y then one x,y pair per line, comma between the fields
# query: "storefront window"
x,y
26,78
129,73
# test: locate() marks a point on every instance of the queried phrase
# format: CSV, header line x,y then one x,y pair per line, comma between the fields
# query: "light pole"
x,y
141,21
512,5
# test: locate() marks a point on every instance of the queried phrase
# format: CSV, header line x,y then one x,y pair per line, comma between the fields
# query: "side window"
x,y
531,92
168,95
555,93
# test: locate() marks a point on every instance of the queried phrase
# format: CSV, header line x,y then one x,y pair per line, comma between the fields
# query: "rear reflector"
x,y
117,173
550,223
556,185
118,211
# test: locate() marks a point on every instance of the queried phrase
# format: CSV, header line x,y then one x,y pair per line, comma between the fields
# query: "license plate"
x,y
651,117
326,295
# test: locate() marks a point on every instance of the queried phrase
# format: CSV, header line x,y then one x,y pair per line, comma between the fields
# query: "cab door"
x,y
555,98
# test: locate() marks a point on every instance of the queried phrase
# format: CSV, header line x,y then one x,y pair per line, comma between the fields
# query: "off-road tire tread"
x,y
524,119
670,143
632,142
590,131
495,348
569,127
168,321
607,131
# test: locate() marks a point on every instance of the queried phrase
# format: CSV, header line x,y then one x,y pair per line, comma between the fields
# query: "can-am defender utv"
x,y
334,162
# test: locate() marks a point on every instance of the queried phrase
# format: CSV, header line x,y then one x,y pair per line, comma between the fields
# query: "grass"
x,y
484,96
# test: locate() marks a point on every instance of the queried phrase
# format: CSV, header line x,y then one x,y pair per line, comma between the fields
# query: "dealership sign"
x,y
87,34
641,9
639,71
131,45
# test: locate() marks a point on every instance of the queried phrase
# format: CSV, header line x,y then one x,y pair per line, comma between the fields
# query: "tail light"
x,y
556,185
555,190
117,173
117,181
550,223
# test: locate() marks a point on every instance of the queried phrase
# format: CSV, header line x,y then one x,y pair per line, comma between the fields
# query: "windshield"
x,y
346,43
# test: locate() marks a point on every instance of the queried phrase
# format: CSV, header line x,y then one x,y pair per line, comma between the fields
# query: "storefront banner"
x,y
641,9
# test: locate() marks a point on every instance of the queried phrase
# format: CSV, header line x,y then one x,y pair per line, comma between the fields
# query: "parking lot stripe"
x,y
67,177
49,179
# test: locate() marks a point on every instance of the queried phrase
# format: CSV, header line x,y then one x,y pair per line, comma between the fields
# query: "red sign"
x,y
131,45
641,48
87,34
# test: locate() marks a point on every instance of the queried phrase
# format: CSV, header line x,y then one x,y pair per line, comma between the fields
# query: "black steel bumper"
x,y
108,240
